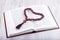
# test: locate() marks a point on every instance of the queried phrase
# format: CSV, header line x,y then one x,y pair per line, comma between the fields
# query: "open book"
x,y
14,17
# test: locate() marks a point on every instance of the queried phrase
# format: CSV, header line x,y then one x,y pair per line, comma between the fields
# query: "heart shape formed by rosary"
x,y
30,19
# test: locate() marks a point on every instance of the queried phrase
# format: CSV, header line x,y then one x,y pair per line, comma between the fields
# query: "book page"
x,y
15,17
48,22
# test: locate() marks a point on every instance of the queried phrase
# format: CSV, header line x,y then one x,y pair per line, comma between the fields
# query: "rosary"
x,y
29,19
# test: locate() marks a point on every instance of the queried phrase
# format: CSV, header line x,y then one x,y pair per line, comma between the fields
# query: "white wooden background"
x,y
46,35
